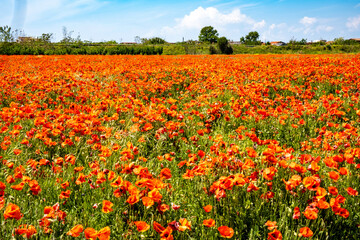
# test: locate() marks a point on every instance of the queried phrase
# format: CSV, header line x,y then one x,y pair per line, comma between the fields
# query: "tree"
x,y
293,41
137,39
224,46
67,36
339,41
251,39
6,35
46,37
208,34
154,40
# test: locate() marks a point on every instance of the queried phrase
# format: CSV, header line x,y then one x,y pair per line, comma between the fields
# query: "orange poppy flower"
x,y
209,222
75,231
65,194
148,202
104,233
271,225
297,213
142,226
269,173
163,208
226,232
352,191
305,232
12,211
310,214
208,208
320,193
333,191
17,151
165,173
26,230
2,203
158,227
323,204
2,186
334,175
166,234
275,235
106,206
90,233
19,186
117,182
155,195
251,152
184,224
132,199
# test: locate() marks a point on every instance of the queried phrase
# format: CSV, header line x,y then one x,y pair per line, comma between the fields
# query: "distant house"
x,y
319,41
355,39
25,39
128,43
235,42
277,43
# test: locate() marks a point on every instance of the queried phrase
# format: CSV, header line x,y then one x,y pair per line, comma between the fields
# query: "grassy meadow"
x,y
180,147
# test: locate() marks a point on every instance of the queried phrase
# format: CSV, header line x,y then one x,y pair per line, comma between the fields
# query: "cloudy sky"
x,y
122,20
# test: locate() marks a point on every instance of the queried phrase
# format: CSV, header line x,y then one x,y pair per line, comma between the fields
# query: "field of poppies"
x,y
180,147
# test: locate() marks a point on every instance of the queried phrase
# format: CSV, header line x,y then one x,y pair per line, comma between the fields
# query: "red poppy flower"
x,y
142,226
305,232
209,222
106,206
226,232
12,211
75,231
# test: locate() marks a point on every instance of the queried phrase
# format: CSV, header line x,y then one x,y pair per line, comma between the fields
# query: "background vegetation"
x,y
209,42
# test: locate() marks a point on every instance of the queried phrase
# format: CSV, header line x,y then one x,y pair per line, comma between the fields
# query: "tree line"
x,y
14,42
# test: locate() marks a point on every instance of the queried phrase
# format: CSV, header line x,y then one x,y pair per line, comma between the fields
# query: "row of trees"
x,y
208,34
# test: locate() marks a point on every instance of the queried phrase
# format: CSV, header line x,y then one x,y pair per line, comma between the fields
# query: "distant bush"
x,y
212,50
224,46
153,41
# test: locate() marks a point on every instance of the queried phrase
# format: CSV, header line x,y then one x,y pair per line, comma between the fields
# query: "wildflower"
x,y
142,226
209,222
305,232
226,232
106,206
208,208
12,211
75,231
275,235
271,225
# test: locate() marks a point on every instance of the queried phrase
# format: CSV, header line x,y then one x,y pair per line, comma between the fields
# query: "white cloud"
x,y
275,32
201,17
191,23
311,26
259,25
353,23
324,28
307,21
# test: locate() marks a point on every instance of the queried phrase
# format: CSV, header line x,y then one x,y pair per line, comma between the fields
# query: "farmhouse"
x,y
25,39
277,43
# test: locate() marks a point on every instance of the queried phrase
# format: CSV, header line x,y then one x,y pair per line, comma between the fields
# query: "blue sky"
x,y
122,20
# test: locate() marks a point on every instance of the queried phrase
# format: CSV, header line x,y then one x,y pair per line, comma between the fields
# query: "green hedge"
x,y
77,49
